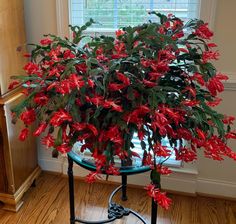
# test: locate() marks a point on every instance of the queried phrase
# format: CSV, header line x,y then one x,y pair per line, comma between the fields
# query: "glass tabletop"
x,y
88,163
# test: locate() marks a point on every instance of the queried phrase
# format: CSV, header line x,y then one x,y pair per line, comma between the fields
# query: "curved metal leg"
x,y
124,188
71,190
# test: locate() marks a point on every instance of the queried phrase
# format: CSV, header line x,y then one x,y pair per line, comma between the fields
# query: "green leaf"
x,y
156,178
58,140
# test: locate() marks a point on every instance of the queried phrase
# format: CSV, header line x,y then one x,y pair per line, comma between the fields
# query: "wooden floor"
x,y
48,203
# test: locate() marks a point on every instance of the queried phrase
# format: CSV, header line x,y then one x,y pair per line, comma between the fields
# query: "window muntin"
x,y
113,14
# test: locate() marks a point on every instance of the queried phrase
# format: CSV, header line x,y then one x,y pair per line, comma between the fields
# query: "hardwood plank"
x,y
47,203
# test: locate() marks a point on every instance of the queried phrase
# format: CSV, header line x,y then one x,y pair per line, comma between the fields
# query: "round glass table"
x,y
115,211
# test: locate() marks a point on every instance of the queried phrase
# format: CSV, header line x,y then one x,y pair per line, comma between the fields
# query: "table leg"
x,y
71,190
124,187
154,212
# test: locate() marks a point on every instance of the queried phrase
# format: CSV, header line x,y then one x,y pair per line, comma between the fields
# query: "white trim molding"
x,y
208,11
62,13
230,84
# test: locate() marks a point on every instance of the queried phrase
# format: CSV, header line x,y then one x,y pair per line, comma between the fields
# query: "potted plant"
x,y
155,79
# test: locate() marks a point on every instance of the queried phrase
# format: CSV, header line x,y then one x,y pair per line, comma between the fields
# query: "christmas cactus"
x,y
156,79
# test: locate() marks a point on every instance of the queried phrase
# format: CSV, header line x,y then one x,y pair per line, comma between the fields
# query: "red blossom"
x,y
41,99
63,148
23,134
163,170
210,55
31,68
41,128
119,33
123,78
28,116
81,68
60,117
185,154
190,103
231,135
214,102
91,177
228,119
199,78
203,31
111,104
48,140
115,86
111,170
68,54
13,84
161,151
149,83
158,196
45,41
215,85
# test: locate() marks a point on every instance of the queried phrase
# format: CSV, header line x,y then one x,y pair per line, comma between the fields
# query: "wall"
x,y
40,19
206,176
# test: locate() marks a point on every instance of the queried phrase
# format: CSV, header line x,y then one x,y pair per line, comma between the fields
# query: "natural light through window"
x,y
113,14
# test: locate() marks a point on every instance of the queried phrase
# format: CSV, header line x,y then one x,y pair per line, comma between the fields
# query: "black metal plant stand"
x,y
115,211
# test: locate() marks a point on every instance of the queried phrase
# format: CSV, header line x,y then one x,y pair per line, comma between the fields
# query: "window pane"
x,y
113,14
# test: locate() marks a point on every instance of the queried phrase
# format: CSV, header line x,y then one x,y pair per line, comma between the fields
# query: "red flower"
x,y
31,68
63,148
210,55
161,151
198,77
149,83
201,134
111,170
24,134
48,140
40,99
215,85
41,128
92,128
119,33
154,75
123,78
158,196
190,103
211,45
162,200
91,177
228,119
214,102
203,31
111,104
115,86
185,154
13,84
28,116
60,117
45,41
68,54
81,67
231,135
164,170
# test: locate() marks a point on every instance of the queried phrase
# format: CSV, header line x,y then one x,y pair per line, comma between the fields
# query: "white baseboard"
x,y
230,84
216,188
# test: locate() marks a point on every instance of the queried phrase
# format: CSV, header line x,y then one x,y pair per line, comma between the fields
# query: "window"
x,y
113,14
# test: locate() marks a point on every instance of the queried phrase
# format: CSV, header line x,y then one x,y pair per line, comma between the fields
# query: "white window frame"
x,y
207,13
